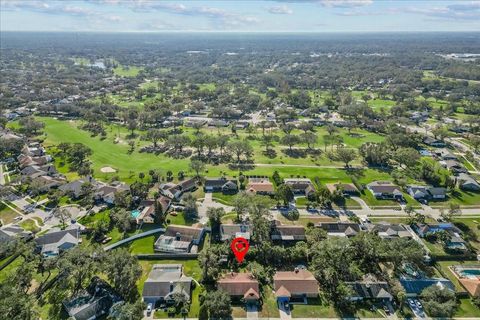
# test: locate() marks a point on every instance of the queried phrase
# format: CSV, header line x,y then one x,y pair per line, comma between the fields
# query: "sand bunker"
x,y
108,170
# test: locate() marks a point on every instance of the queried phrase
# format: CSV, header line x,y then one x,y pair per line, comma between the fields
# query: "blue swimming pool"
x,y
469,273
135,213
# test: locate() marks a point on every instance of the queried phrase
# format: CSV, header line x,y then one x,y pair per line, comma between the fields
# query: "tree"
x,y
155,135
63,215
214,216
197,166
78,153
345,155
267,141
440,132
305,126
77,266
218,304
190,203
122,219
284,193
123,272
439,301
290,140
240,148
29,126
128,311
309,138
407,157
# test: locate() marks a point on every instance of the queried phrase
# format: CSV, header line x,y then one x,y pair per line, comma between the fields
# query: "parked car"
x,y
411,303
149,309
419,305
386,309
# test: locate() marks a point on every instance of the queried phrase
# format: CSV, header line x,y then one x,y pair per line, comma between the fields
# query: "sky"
x,y
240,16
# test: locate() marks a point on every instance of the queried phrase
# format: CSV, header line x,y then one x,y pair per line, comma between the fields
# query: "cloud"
x,y
456,12
345,3
280,10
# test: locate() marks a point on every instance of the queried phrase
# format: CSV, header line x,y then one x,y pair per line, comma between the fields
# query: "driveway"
x,y
252,311
284,314
208,202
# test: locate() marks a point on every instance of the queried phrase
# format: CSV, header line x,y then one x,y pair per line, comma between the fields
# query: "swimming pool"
x,y
135,213
471,273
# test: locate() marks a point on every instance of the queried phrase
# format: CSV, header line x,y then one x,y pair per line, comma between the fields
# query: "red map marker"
x,y
239,247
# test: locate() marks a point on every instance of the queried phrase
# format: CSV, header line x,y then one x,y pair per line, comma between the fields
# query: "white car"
x,y
149,309
419,305
411,303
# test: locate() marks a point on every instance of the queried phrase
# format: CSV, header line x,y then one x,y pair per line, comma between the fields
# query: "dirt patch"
x,y
108,170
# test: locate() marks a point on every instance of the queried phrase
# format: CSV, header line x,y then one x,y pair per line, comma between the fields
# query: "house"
x,y
232,231
385,190
175,191
75,189
455,243
33,150
454,166
369,290
227,186
240,286
295,286
7,135
467,182
164,204
145,213
437,193
163,281
46,183
106,193
434,142
179,239
56,241
97,301
12,232
414,286
348,189
261,187
340,229
426,192
468,277
445,154
388,231
288,233
300,186
418,192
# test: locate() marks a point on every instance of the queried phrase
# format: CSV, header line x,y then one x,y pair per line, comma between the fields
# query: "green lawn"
x,y
127,71
269,308
29,225
467,309
7,215
226,199
470,229
314,309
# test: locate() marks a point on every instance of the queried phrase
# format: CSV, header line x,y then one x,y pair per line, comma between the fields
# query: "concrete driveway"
x,y
208,202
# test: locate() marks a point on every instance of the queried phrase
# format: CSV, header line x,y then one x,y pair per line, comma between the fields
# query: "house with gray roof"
x,y
56,241
414,286
467,182
340,229
12,232
163,281
232,231
97,301
387,230
385,190
369,290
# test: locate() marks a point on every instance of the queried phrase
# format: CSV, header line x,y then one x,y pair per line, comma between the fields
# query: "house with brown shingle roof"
x,y
347,188
240,286
262,187
295,285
